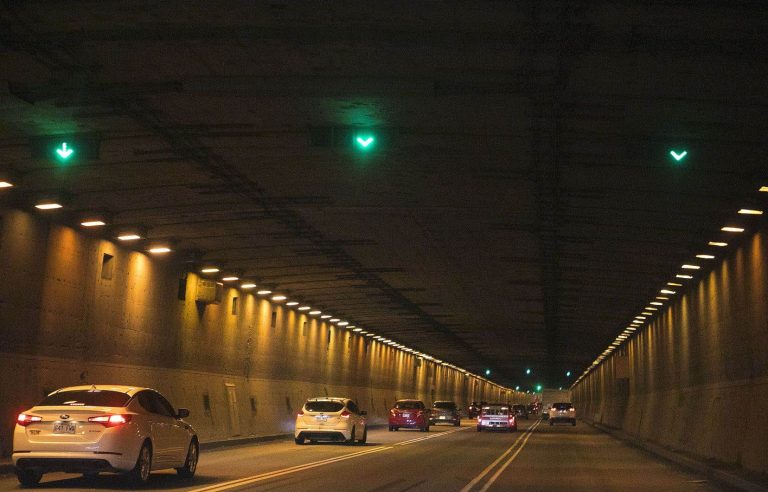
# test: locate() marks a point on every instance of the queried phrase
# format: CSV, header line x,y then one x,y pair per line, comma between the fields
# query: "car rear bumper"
x,y
323,435
556,420
408,422
80,462
447,419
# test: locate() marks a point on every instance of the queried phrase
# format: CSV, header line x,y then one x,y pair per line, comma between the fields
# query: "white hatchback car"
x,y
330,419
90,429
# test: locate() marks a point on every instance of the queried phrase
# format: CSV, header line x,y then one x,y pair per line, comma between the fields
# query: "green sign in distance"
x,y
64,152
678,156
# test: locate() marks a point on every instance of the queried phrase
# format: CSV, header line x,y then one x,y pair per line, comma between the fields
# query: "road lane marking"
x,y
524,437
418,439
240,482
286,471
503,467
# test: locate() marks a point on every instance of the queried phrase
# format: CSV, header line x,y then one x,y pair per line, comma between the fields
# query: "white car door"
x,y
178,435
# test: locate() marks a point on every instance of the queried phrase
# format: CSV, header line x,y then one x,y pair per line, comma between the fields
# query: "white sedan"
x,y
90,429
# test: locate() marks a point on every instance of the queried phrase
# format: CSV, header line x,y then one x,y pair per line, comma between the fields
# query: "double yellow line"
x,y
514,450
286,471
241,482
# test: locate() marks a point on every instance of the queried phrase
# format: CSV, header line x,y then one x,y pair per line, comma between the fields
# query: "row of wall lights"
x,y
684,275
129,235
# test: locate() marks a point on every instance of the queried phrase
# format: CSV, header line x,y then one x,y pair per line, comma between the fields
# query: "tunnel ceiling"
x,y
518,207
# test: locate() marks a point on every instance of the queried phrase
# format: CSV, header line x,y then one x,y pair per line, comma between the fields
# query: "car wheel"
x,y
29,478
364,439
351,439
573,422
391,428
298,440
397,428
456,424
425,428
140,472
551,423
190,465
479,428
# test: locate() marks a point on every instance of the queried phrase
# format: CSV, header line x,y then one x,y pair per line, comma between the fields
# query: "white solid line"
x,y
490,467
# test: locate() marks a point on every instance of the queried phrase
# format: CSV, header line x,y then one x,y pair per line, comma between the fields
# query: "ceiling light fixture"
x,y
315,312
93,222
279,298
247,285
657,303
230,278
690,267
305,308
334,320
683,276
747,211
48,205
732,229
719,244
706,257
264,292
292,303
326,316
343,323
209,270
667,291
5,184
159,250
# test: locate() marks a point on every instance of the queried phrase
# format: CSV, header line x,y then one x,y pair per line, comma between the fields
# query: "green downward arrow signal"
x,y
64,152
364,142
679,156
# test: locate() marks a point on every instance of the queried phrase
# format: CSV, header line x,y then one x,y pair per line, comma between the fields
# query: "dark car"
x,y
445,412
521,411
473,411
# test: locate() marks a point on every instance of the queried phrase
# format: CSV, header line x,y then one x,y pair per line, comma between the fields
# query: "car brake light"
x,y
110,420
345,414
393,412
300,414
24,419
571,409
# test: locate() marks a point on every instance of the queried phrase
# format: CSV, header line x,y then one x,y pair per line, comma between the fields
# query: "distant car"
x,y
473,411
90,429
521,411
496,416
445,412
331,419
562,412
409,414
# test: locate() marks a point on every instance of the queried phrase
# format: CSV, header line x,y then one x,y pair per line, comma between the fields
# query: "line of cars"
x,y
134,430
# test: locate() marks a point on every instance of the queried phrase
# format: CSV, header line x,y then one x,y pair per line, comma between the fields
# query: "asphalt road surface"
x,y
537,457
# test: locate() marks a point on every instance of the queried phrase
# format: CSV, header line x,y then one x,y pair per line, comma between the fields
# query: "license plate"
x,y
442,417
64,427
322,418
407,415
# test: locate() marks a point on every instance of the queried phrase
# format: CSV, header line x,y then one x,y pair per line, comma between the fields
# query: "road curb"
x,y
722,477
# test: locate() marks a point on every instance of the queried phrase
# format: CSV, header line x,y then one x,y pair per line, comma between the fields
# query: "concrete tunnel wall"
x,y
697,378
65,321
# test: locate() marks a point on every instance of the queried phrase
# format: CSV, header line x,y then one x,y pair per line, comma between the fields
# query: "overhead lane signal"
x,y
66,149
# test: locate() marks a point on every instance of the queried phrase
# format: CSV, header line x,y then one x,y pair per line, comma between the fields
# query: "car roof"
x,y
128,390
444,401
329,398
409,399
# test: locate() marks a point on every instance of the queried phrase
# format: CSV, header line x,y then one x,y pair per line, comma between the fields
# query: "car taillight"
x,y
345,414
24,419
300,414
571,409
511,419
110,420
393,412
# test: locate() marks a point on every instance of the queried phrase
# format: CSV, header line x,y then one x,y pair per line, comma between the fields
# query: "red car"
x,y
409,414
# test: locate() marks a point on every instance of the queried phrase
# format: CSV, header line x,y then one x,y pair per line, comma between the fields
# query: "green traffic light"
x,y
538,387
568,374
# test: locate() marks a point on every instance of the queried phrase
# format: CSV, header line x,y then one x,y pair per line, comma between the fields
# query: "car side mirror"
x,y
363,412
182,413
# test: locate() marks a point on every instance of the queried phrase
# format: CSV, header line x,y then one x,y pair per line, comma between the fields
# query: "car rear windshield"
x,y
409,405
495,411
82,398
324,406
561,406
448,405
